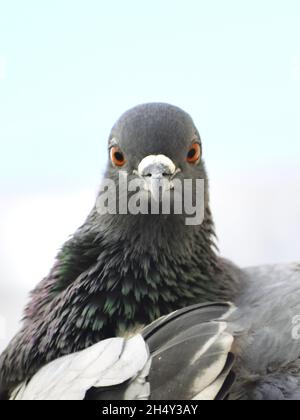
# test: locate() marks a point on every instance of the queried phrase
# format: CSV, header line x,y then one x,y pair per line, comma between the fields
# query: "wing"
x,y
191,354
105,364
191,357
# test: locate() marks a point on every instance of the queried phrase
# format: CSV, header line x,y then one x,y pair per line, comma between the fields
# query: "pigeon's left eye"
x,y
117,156
194,153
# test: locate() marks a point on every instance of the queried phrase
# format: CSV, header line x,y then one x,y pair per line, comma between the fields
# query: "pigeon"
x,y
140,305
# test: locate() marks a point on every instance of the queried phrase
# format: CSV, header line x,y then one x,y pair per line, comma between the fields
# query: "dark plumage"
x,y
120,272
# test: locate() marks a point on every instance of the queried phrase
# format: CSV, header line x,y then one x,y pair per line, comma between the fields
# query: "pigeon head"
x,y
156,144
156,130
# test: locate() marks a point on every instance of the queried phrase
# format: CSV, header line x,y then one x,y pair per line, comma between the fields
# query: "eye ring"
x,y
117,156
194,154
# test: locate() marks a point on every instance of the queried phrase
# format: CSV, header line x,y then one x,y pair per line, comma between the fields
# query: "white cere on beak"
x,y
157,172
156,166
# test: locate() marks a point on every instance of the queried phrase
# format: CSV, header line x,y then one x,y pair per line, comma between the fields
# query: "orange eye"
x,y
117,156
194,153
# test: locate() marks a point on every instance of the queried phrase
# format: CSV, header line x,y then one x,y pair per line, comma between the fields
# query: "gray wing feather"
x,y
190,352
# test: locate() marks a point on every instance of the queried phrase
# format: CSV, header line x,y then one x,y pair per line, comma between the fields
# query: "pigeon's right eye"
x,y
117,156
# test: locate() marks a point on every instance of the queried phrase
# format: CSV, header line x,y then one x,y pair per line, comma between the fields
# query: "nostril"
x,y
148,175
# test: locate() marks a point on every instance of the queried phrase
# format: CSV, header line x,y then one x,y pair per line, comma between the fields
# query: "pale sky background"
x,y
68,69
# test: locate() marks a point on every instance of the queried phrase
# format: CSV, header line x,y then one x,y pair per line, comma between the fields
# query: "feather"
x,y
190,352
107,363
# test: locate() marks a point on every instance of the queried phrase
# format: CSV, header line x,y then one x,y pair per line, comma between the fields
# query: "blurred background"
x,y
69,68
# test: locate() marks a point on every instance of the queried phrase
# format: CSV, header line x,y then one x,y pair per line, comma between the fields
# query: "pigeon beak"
x,y
157,171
